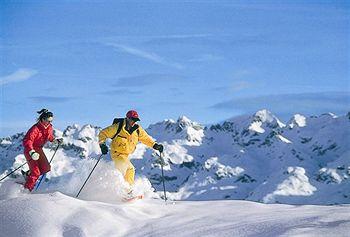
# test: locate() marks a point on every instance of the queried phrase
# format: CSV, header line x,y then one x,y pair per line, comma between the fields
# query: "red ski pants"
x,y
36,167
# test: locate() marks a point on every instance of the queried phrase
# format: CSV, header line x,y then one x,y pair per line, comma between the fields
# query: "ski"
x,y
138,197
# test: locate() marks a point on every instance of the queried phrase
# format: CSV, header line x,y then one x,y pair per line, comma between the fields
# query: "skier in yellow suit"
x,y
125,134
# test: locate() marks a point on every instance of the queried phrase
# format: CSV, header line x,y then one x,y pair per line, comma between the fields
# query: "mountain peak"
x,y
85,132
184,120
297,120
264,118
181,129
265,115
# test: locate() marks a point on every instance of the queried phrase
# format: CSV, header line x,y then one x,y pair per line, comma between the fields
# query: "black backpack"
x,y
120,122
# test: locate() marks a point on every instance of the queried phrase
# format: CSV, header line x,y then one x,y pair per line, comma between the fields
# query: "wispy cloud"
x,y
175,37
239,74
145,80
239,80
156,36
118,92
170,104
240,85
21,74
144,54
234,87
214,42
52,99
287,104
182,36
206,58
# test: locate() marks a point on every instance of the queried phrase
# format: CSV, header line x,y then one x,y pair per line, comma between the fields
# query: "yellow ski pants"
x,y
123,164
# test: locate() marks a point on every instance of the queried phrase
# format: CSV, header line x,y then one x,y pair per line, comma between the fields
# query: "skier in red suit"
x,y
33,143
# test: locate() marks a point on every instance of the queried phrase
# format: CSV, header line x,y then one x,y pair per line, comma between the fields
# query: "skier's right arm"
x,y
108,132
28,142
29,138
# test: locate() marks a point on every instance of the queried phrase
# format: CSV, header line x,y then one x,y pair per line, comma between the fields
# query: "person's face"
x,y
131,122
47,121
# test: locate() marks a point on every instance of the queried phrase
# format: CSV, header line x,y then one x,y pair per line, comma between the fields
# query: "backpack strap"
x,y
135,128
120,126
117,120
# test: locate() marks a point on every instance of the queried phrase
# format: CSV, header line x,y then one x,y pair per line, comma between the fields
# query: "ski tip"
x,y
138,197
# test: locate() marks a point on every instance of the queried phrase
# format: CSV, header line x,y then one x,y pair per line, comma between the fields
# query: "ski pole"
x,y
42,176
89,175
13,171
161,164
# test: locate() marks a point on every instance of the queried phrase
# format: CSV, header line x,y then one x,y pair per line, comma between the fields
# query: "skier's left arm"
x,y
50,137
148,141
145,138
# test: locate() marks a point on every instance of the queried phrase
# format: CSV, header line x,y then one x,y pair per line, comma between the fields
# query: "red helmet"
x,y
132,114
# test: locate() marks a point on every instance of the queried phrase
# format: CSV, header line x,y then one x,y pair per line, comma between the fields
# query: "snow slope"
x,y
56,214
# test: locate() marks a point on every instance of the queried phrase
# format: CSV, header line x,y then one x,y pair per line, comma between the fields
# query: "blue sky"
x,y
91,61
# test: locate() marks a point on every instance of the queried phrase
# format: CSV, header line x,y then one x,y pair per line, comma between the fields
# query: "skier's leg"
x,y
130,174
120,162
43,163
34,173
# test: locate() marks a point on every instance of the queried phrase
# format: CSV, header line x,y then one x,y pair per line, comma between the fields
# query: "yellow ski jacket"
x,y
124,142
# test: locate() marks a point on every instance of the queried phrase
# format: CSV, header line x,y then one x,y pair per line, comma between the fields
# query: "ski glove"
x,y
59,141
34,155
158,147
104,148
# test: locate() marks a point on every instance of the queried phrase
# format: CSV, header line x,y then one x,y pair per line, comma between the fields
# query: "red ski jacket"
x,y
37,136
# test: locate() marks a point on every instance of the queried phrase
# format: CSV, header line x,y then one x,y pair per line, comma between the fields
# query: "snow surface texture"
x,y
257,158
56,214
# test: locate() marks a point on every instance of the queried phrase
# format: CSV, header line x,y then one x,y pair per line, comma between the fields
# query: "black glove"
x,y
158,147
59,141
104,148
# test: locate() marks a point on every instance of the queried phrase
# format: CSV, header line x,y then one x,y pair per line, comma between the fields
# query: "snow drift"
x,y
56,214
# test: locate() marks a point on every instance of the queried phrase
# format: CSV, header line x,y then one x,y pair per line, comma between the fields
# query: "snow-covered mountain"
x,y
257,157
